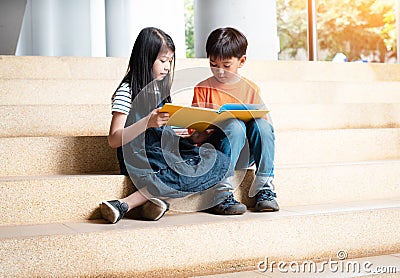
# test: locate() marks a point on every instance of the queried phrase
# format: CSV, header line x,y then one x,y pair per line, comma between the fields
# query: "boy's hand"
x,y
157,118
198,137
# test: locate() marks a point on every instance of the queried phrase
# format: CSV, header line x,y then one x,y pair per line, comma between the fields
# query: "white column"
x,y
125,19
97,28
84,27
118,28
256,19
63,28
72,28
37,32
24,45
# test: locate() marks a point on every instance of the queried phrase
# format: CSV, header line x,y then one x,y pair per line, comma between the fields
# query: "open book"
x,y
202,118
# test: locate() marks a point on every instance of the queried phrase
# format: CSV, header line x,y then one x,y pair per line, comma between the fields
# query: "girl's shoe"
x,y
113,211
154,209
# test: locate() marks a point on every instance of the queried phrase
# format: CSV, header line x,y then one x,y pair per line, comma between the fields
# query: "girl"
x,y
160,163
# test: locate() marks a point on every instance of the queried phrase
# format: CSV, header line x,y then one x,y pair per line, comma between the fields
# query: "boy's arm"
x,y
256,96
260,99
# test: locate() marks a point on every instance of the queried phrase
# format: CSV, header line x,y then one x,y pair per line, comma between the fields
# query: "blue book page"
x,y
240,106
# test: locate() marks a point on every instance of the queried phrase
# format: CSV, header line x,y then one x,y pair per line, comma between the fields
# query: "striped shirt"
x,y
122,99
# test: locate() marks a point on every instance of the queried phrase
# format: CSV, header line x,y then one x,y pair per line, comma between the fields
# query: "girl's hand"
x,y
157,118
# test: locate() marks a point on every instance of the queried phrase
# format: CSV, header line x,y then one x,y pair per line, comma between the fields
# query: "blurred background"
x,y
324,30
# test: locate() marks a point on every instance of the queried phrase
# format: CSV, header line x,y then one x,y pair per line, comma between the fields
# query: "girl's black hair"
x,y
149,43
225,43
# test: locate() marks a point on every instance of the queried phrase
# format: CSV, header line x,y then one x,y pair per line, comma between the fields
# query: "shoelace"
x,y
229,201
266,195
122,208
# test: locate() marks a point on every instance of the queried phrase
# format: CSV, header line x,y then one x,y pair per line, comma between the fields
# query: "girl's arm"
x,y
116,129
154,119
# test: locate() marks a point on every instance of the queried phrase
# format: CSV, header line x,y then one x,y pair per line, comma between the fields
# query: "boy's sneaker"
x,y
229,206
265,201
154,209
113,211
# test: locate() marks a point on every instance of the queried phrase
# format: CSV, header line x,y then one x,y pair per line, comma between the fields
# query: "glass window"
x,y
292,29
350,30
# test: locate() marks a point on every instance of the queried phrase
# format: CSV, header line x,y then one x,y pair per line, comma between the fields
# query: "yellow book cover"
x,y
202,118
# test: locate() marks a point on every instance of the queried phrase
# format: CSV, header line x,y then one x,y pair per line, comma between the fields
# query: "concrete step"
x,y
329,92
332,146
380,266
55,120
93,91
94,120
25,156
21,156
39,67
43,67
59,198
320,71
199,243
70,67
328,183
89,80
313,92
335,116
50,199
57,91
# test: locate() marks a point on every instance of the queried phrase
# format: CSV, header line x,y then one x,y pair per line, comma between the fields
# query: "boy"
x,y
245,143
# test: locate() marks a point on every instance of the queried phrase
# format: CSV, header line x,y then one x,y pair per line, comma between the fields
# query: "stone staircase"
x,y
337,173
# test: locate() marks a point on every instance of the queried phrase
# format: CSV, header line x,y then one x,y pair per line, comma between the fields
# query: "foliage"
x,y
389,31
292,25
357,28
354,27
189,28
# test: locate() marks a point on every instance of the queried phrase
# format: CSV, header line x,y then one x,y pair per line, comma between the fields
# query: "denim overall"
x,y
167,164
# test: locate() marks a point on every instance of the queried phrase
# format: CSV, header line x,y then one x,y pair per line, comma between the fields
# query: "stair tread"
x,y
190,219
200,242
81,154
94,67
116,174
78,120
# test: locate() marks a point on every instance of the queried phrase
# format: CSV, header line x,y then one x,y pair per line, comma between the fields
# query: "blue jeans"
x,y
246,143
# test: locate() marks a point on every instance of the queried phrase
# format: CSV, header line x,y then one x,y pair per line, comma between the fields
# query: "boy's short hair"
x,y
225,43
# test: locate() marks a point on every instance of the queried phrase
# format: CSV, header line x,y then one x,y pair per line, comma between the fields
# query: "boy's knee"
x,y
234,127
260,128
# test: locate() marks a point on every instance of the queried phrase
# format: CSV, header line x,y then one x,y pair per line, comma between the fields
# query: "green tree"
x,y
292,25
189,28
353,27
388,31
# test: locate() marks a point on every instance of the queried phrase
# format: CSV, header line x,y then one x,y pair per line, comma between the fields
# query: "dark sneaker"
x,y
154,209
228,207
113,211
265,201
